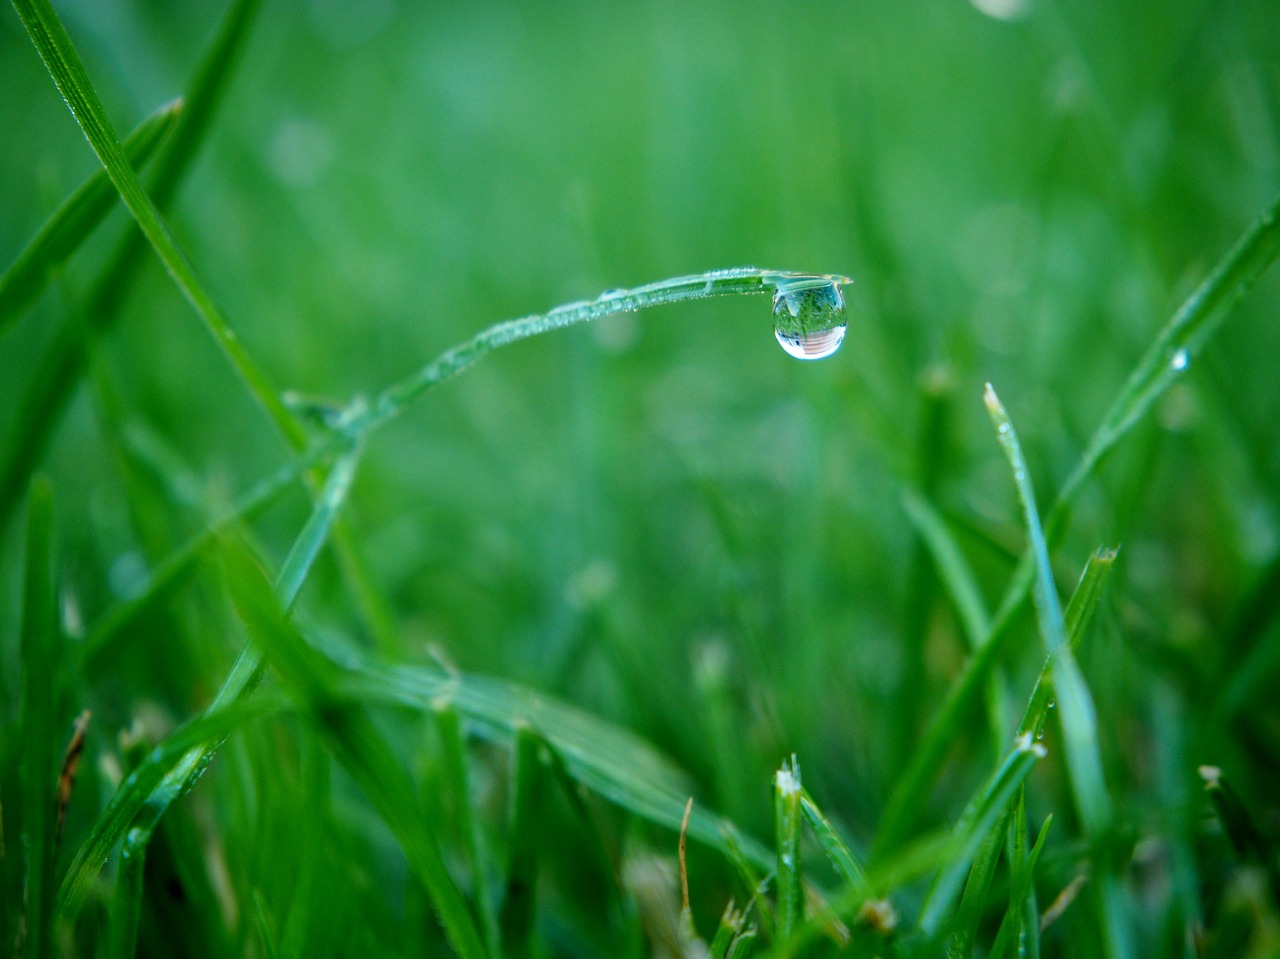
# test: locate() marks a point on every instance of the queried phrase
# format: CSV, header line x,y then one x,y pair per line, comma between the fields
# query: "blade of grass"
x,y
962,588
609,761
64,66
1190,328
1076,710
515,919
788,882
973,902
1020,889
1079,613
1076,713
39,641
836,849
985,809
150,790
73,221
458,773
354,742
60,368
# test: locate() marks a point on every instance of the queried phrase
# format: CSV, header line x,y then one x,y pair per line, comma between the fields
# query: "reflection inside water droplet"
x,y
809,316
1181,360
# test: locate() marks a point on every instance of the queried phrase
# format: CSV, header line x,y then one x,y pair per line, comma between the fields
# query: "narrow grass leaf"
x,y
964,926
788,882
113,823
609,761
1021,887
1079,613
726,282
962,588
355,743
64,66
957,577
515,920
39,643
458,774
1076,711
1076,714
991,801
1178,343
160,780
61,366
73,221
837,851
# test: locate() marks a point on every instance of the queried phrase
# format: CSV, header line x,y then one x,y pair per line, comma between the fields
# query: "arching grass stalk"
x,y
348,432
746,279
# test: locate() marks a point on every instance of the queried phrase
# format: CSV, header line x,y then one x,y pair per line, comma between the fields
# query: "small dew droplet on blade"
x,y
808,319
1180,361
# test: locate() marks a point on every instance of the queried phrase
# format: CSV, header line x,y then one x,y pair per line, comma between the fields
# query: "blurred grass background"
x,y
662,518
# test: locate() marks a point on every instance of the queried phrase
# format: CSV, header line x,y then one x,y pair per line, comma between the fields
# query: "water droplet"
x,y
809,317
1181,360
1052,703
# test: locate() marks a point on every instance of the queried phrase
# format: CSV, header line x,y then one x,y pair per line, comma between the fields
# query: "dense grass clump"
x,y
642,637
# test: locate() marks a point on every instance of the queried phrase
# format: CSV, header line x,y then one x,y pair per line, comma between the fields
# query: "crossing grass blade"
x,y
64,66
162,778
72,223
355,742
59,370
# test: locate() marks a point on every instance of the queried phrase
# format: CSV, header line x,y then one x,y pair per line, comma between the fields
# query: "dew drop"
x,y
1181,360
809,317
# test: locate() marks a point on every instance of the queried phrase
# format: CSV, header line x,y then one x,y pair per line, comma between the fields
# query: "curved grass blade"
x,y
736,280
73,221
64,66
355,743
609,761
113,823
1190,328
60,368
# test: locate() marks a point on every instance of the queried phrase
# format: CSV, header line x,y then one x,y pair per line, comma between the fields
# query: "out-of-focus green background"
x,y
628,514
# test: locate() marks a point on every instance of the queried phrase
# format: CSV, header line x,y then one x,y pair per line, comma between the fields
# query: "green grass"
x,y
398,661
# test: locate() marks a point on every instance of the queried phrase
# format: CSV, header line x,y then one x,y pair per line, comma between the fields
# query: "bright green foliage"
x,y
505,664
